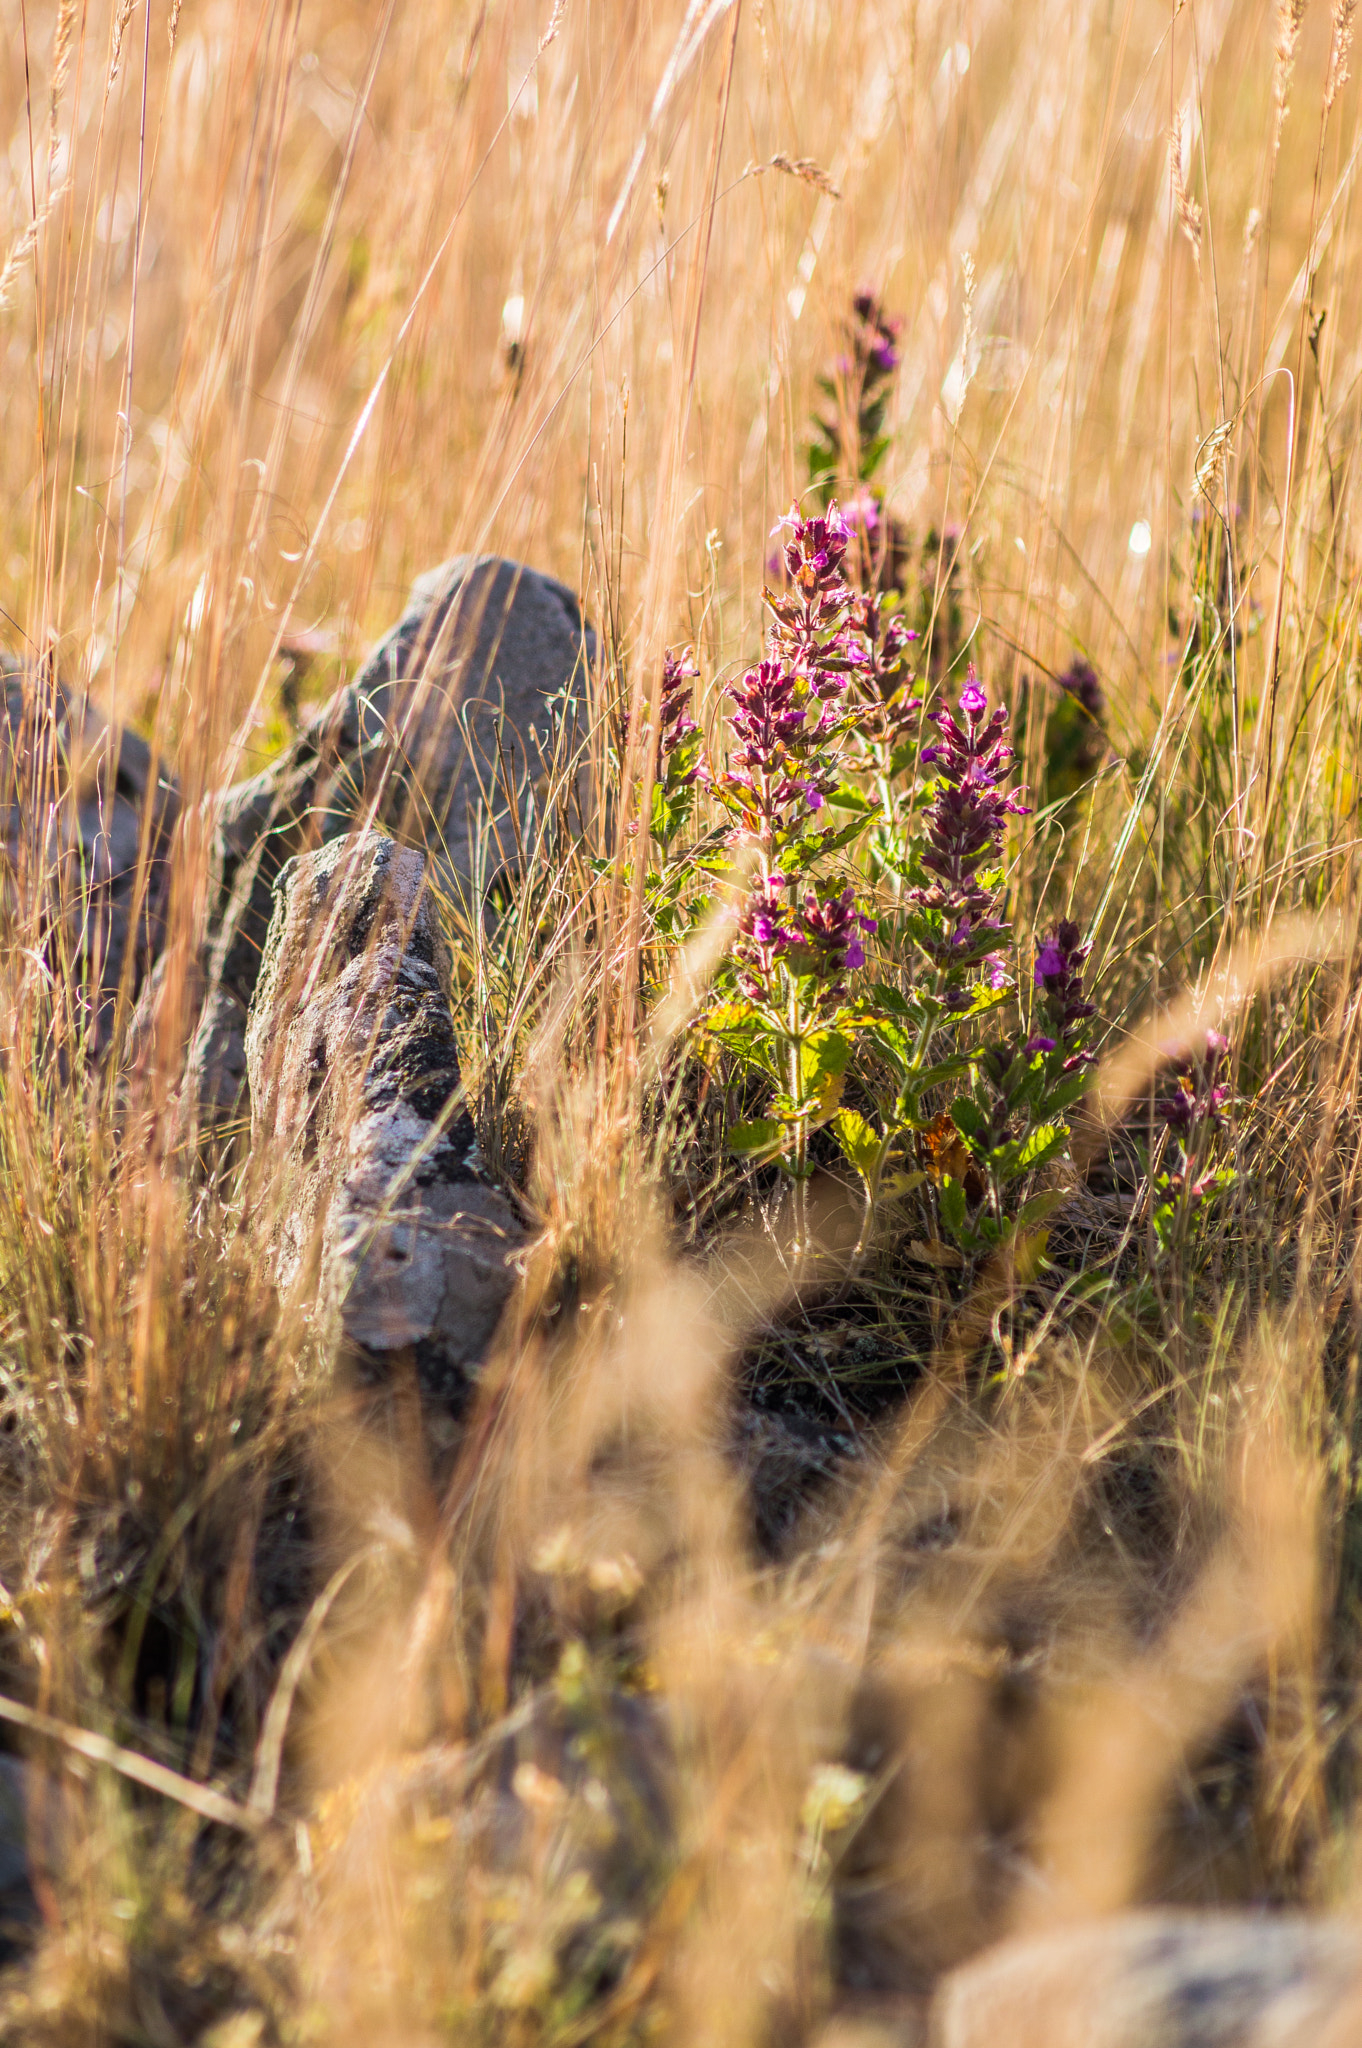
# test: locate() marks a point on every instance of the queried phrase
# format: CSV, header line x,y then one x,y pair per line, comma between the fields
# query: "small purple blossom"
x,y
811,613
1039,1043
675,724
1200,1094
1060,959
762,932
825,939
875,337
965,824
882,679
1080,680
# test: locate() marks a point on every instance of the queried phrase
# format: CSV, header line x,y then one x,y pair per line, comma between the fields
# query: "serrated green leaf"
x,y
861,1144
983,1000
953,1205
1040,1144
824,1054
832,841
1033,1149
730,1016
760,1139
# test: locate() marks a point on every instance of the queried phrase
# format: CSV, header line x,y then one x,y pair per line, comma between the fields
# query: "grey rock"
x,y
84,806
440,738
18,1907
1156,1980
352,1063
469,688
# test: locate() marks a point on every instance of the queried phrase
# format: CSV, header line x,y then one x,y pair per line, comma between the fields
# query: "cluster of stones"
x,y
321,1015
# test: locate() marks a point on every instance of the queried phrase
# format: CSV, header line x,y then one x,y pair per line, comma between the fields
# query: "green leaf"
x,y
1038,1145
942,1071
861,1144
1041,1144
1040,1206
847,797
894,1040
730,1016
758,1140
967,1117
953,1207
823,1055
1065,1091
983,1000
829,842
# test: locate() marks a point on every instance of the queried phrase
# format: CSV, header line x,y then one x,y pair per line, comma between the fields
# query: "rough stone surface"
x,y
18,1907
1156,1980
469,686
455,706
75,792
351,1059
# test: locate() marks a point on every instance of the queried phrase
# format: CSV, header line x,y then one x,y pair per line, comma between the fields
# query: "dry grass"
x,y
296,300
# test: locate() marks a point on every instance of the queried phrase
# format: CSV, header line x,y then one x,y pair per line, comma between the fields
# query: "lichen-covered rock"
x,y
1156,1980
352,1064
439,738
86,814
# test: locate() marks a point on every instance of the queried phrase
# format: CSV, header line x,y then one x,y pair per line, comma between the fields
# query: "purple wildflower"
x,y
826,940
776,770
875,337
965,825
789,712
1059,984
762,935
881,680
1200,1094
675,724
811,614
1080,680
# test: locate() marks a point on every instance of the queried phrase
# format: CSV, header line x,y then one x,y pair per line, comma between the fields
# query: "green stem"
x,y
801,1144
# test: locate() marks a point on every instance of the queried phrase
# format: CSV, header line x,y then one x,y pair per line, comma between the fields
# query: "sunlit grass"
x,y
296,302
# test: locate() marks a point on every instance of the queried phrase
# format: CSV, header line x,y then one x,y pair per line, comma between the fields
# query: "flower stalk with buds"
x,y
1193,1115
792,717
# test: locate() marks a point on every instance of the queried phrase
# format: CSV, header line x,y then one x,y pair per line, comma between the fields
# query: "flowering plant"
x,y
679,764
1182,1175
1012,1119
849,440
799,942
